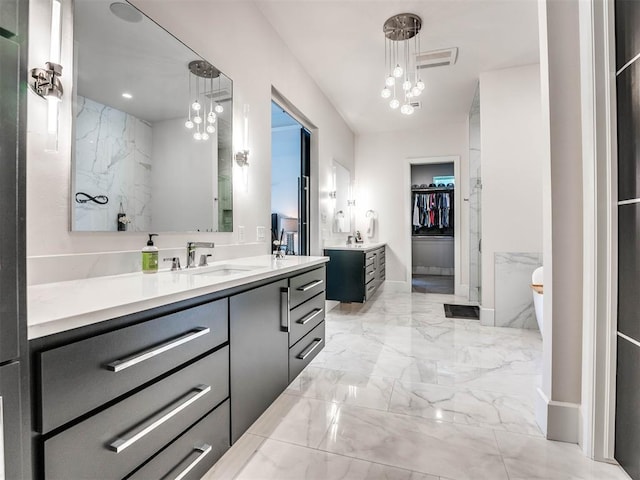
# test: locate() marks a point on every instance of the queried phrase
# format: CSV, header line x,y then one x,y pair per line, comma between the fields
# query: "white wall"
x,y
557,408
253,55
184,179
380,186
512,163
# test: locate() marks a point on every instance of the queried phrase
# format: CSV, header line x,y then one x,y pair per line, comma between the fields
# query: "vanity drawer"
x,y
192,454
371,289
370,256
369,273
305,350
78,377
305,286
305,317
116,440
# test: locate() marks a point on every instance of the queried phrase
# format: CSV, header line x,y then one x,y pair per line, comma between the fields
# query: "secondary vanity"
x,y
355,271
155,376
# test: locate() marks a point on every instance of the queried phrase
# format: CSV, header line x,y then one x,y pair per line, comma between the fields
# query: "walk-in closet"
x,y
432,228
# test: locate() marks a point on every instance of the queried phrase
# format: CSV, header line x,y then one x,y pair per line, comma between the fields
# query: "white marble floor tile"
x,y
343,387
402,392
443,449
535,459
282,461
500,380
295,419
469,407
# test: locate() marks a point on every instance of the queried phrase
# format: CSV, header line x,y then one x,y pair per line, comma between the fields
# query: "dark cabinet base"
x,y
627,408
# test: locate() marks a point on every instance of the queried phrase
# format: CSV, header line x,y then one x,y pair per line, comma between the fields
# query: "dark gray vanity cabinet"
x,y
259,353
163,393
275,331
353,274
306,319
110,397
627,425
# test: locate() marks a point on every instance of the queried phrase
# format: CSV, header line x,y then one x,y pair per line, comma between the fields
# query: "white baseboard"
x,y
330,305
558,421
396,286
487,317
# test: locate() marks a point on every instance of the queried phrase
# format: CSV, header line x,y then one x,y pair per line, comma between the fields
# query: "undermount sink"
x,y
221,270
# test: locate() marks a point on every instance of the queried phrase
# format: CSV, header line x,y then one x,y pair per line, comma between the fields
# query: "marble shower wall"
x,y
514,300
475,188
112,158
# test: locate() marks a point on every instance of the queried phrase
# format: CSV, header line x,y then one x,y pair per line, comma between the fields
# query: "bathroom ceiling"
x,y
341,45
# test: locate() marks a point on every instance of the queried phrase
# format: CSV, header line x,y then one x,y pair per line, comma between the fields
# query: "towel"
x,y
339,223
371,227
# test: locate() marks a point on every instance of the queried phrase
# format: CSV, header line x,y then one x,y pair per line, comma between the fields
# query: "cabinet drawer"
x,y
305,317
115,441
305,286
369,273
81,376
370,290
369,256
192,454
305,350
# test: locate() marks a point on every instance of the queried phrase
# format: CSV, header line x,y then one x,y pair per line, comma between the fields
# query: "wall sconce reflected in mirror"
x,y
45,82
333,194
242,157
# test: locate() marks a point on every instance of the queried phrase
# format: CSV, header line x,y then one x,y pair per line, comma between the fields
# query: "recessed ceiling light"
x,y
125,12
127,95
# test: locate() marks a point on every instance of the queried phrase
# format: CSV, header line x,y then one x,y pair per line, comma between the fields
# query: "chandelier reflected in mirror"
x,y
402,42
203,111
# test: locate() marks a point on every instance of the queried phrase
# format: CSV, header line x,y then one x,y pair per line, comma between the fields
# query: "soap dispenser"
x,y
150,256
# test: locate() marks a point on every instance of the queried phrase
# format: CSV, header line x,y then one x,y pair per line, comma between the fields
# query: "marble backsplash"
x,y
60,268
514,301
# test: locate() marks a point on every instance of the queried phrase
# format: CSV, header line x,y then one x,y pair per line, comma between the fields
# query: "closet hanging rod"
x,y
433,189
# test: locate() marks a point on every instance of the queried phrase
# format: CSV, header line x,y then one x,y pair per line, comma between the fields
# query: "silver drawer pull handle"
x,y
311,316
204,451
309,286
133,436
285,311
307,351
371,273
125,363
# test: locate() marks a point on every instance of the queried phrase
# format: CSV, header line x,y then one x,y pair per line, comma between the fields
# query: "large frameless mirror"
x,y
152,128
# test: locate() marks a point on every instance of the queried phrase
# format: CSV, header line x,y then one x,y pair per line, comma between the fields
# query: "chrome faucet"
x,y
191,251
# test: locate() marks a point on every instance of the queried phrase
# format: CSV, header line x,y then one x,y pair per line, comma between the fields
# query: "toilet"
x,y
536,287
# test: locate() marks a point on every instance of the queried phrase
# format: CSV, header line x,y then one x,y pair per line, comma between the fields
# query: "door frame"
x,y
460,289
314,168
600,231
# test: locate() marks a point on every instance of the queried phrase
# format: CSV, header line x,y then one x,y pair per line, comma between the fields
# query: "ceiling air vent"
x,y
416,104
437,58
222,95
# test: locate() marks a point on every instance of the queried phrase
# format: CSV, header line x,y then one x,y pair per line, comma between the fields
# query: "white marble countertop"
x,y
56,307
365,247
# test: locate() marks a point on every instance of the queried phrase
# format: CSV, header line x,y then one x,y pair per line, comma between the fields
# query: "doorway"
x,y
290,182
432,228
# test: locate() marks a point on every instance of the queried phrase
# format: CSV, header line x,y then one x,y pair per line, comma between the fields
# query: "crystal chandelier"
x,y
203,111
402,83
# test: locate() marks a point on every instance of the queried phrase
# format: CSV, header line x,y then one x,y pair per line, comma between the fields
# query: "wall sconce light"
x,y
333,194
351,203
242,157
46,81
